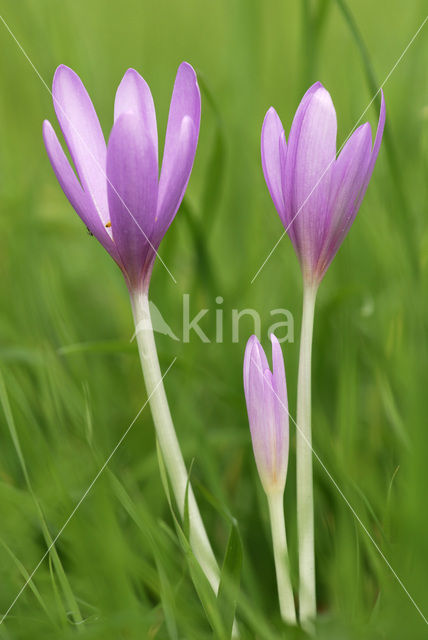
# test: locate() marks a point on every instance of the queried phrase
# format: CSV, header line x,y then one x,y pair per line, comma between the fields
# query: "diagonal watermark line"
x,y
349,505
84,496
88,149
343,144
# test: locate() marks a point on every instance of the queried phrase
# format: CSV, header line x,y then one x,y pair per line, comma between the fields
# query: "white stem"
x,y
305,499
280,552
167,437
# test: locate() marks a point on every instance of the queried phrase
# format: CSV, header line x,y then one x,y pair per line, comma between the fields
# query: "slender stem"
x,y
305,499
167,437
280,552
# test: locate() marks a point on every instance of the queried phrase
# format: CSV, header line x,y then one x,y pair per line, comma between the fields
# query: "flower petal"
x,y
281,407
79,200
378,140
247,359
350,178
310,156
132,193
260,426
270,448
278,371
174,186
272,139
347,182
134,95
83,135
185,105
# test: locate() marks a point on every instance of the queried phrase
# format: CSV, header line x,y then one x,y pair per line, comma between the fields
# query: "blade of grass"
x,y
23,571
203,588
230,579
166,590
65,585
404,219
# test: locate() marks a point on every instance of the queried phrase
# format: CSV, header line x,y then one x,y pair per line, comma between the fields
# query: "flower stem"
x,y
280,552
305,499
167,437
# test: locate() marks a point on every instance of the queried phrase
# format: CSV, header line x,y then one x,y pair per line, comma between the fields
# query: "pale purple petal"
x,y
253,343
268,424
272,140
378,140
270,458
78,199
247,358
134,95
347,183
185,105
288,167
259,426
175,184
132,192
83,135
254,393
281,405
352,173
310,155
278,371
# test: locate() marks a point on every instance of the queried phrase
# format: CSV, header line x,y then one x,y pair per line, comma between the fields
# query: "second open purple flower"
x,y
316,195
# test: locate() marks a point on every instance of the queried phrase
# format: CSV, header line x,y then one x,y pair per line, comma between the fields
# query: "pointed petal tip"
x,y
252,342
316,87
382,103
271,115
186,66
273,338
63,72
63,68
252,339
130,73
323,94
364,130
127,120
48,134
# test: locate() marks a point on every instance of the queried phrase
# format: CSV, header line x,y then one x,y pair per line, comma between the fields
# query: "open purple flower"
x,y
316,195
267,407
118,192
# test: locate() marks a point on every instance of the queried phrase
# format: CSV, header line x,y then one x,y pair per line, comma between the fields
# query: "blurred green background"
x,y
70,378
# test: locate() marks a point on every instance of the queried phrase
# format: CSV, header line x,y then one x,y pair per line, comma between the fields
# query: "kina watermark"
x,y
217,325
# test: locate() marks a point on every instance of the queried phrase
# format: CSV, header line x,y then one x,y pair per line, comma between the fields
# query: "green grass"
x,y
71,382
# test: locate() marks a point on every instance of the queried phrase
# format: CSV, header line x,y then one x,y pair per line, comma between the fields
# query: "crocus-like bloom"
x,y
118,192
267,407
316,195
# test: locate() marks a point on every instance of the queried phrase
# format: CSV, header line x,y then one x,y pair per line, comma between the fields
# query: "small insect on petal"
x,y
108,224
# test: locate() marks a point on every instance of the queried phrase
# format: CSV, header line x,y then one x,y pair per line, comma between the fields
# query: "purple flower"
x,y
316,195
267,407
118,192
